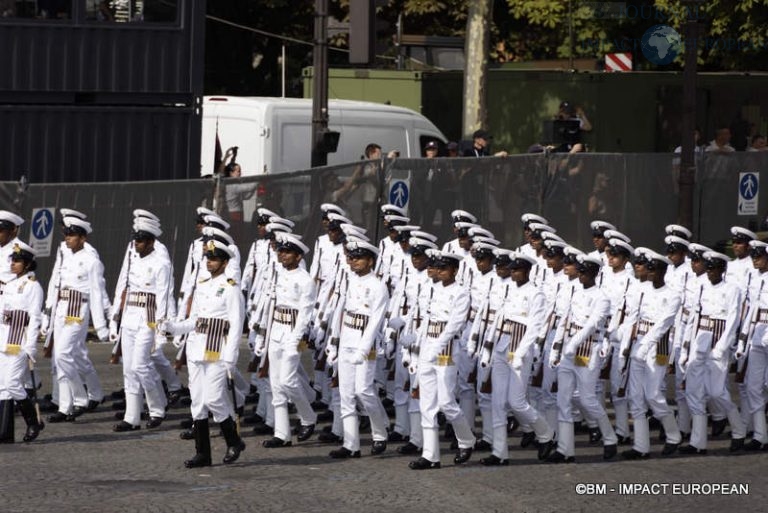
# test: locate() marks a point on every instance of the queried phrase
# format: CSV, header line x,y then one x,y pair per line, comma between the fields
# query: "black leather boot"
x,y
30,417
235,444
202,457
6,422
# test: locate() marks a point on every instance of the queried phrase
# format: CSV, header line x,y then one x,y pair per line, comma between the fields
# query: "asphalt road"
x,y
85,467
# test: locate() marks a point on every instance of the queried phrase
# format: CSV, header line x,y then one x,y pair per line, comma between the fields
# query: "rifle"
x,y
264,363
415,322
486,386
181,355
231,386
335,327
395,335
330,303
538,373
557,345
48,345
605,372
746,339
624,380
31,364
415,393
117,349
687,343
472,378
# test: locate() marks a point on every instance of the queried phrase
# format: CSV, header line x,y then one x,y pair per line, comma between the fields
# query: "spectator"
x,y
721,142
365,178
452,149
480,146
758,143
440,190
571,138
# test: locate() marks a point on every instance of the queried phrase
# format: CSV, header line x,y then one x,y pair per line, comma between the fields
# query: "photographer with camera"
x,y
235,192
567,128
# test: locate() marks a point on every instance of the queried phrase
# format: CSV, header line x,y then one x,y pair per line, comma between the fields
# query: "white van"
x,y
273,135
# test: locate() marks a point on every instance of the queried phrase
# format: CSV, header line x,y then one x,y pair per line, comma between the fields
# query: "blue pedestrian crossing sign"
x,y
749,186
398,193
41,231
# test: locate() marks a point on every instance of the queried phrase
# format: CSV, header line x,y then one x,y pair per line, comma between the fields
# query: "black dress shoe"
x,y
527,439
276,442
609,451
79,410
394,436
233,452
482,446
559,457
737,444
118,394
119,414
252,398
186,423
718,427
423,464
632,454
449,434
623,440
493,461
33,431
325,416
198,460
60,417
174,397
462,456
343,453
329,438
305,432
545,449
187,434
154,422
408,448
595,436
319,406
669,449
378,447
512,425
252,419
124,426
690,449
92,405
755,445
262,429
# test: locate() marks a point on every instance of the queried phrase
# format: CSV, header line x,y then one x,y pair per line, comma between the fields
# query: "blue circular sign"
x,y
398,193
748,186
42,224
661,44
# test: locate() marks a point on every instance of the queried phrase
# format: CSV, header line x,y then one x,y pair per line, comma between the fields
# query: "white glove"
x,y
641,352
160,339
553,363
357,358
485,360
472,346
407,340
331,352
30,352
605,349
740,350
103,334
396,323
517,362
413,368
112,331
176,341
718,354
406,358
389,348
45,321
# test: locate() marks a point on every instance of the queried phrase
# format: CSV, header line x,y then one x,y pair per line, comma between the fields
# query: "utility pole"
x,y
320,85
687,176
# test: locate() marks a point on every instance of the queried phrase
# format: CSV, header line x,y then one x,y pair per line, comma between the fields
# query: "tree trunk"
x,y
476,53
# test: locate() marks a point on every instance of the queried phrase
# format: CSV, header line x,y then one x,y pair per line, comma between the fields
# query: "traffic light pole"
x,y
320,85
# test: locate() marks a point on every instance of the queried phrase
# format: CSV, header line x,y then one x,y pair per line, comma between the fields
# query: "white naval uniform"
x,y
402,303
216,299
651,354
499,290
516,329
5,262
755,332
585,321
616,286
22,297
145,282
707,360
85,365
437,374
361,319
558,292
294,298
82,272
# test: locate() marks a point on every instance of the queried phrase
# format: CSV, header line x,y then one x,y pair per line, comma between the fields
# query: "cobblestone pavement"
x,y
85,467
